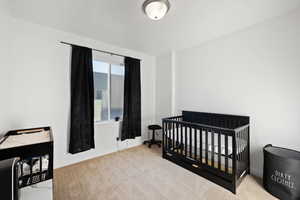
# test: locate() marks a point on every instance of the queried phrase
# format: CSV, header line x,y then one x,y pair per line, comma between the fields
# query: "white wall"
x,y
5,49
35,85
163,86
254,72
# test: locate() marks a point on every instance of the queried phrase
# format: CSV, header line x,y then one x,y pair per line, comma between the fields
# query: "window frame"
x,y
110,63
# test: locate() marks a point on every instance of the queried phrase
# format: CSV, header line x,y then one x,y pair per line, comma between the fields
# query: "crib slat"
x,y
166,135
247,147
22,173
169,135
237,135
181,140
200,152
206,147
246,139
212,149
240,140
226,153
167,131
163,136
173,136
219,151
244,146
191,143
41,168
241,145
195,143
185,140
177,136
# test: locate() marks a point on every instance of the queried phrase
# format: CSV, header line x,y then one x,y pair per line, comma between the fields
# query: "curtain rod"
x,y
107,52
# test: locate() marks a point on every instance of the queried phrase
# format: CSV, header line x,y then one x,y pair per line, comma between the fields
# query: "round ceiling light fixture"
x,y
156,9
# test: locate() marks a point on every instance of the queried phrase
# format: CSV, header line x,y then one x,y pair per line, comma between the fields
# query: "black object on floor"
x,y
281,172
153,141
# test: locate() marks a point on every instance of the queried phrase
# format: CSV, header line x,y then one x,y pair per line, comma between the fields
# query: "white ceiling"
x,y
122,22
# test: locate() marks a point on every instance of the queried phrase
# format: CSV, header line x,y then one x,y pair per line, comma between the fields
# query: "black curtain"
x,y
82,100
131,126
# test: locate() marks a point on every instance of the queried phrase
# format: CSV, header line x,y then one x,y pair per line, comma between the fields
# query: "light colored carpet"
x,y
140,173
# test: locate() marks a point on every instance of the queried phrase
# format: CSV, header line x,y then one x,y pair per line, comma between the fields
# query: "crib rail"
x,y
178,120
221,151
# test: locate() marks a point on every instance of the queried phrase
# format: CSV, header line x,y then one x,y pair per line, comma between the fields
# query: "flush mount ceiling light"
x,y
156,9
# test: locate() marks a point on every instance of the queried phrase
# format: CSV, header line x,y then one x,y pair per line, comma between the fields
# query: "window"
x,y
101,99
116,91
109,89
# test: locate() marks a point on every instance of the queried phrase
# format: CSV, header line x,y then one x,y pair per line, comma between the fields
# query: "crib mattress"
x,y
241,143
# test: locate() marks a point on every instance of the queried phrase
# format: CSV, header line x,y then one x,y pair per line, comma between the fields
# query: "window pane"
x,y
117,91
101,71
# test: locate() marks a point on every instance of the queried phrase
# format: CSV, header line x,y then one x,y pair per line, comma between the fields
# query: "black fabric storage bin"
x,y
282,172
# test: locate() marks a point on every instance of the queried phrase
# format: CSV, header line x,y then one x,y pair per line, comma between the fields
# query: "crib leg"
x,y
153,141
233,190
164,154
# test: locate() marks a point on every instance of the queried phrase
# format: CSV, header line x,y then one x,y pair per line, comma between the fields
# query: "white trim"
x,y
104,122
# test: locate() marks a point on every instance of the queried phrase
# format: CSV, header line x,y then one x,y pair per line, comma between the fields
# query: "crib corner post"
x,y
163,139
233,189
248,137
234,163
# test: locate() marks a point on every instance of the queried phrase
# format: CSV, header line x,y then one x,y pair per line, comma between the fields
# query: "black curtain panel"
x,y
131,126
82,100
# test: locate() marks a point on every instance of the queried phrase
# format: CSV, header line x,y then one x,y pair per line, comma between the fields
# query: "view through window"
x,y
109,90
